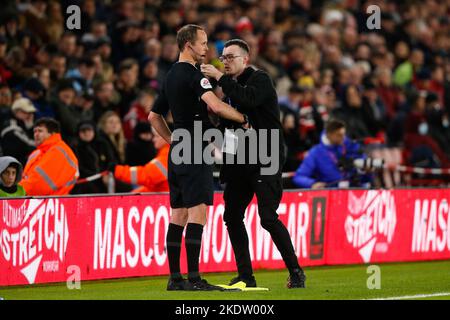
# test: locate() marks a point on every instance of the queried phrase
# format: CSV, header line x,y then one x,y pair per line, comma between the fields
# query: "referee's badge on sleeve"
x,y
205,83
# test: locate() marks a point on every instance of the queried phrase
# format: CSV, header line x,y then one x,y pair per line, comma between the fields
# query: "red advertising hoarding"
x,y
42,240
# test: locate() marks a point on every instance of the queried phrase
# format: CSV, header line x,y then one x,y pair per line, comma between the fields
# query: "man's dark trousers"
x,y
239,191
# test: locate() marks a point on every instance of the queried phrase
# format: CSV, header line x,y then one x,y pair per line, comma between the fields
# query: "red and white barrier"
x,y
43,240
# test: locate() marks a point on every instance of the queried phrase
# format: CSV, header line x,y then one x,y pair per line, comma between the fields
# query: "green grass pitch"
x,y
419,280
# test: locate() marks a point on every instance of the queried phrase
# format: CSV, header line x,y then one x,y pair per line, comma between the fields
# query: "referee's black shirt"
x,y
181,94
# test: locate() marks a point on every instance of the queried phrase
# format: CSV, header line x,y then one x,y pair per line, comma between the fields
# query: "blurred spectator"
x,y
140,150
169,55
34,90
110,127
94,156
5,102
149,74
330,163
82,76
55,21
58,66
438,121
67,46
5,72
36,18
358,117
126,84
386,91
52,169
420,148
138,112
405,72
126,44
17,132
151,177
105,99
68,113
10,175
295,146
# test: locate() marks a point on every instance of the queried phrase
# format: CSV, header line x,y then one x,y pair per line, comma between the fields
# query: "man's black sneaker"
x,y
296,280
201,285
249,282
176,284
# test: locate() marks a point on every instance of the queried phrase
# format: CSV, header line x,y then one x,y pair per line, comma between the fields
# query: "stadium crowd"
x,y
390,86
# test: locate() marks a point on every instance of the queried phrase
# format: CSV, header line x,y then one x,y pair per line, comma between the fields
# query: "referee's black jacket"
x,y
253,94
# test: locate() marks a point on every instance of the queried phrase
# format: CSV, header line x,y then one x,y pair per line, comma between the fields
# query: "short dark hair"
x,y
334,125
127,64
188,33
51,124
238,42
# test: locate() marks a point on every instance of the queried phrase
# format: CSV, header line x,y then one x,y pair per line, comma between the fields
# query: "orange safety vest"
x,y
51,169
152,177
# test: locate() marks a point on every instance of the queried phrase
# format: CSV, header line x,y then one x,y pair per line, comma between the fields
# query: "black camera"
x,y
368,164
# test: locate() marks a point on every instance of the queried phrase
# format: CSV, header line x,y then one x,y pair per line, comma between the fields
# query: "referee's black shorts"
x,y
190,184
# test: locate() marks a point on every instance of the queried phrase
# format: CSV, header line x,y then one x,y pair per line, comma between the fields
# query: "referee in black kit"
x,y
187,93
252,92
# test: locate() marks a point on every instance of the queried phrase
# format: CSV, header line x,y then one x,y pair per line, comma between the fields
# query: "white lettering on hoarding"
x,y
129,244
42,227
162,216
372,217
431,229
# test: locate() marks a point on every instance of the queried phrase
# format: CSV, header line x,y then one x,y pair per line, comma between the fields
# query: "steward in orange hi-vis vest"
x,y
52,169
152,177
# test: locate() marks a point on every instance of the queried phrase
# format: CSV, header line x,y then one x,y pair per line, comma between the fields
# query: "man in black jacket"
x,y
16,133
252,92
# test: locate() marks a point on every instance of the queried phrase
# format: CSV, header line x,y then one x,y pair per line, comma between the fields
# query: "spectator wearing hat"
x,y
17,133
140,150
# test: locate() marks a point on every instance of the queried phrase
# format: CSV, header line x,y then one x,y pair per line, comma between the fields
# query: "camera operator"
x,y
336,161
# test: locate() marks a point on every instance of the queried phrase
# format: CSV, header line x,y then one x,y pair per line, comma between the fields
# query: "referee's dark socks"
x,y
193,242
173,243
